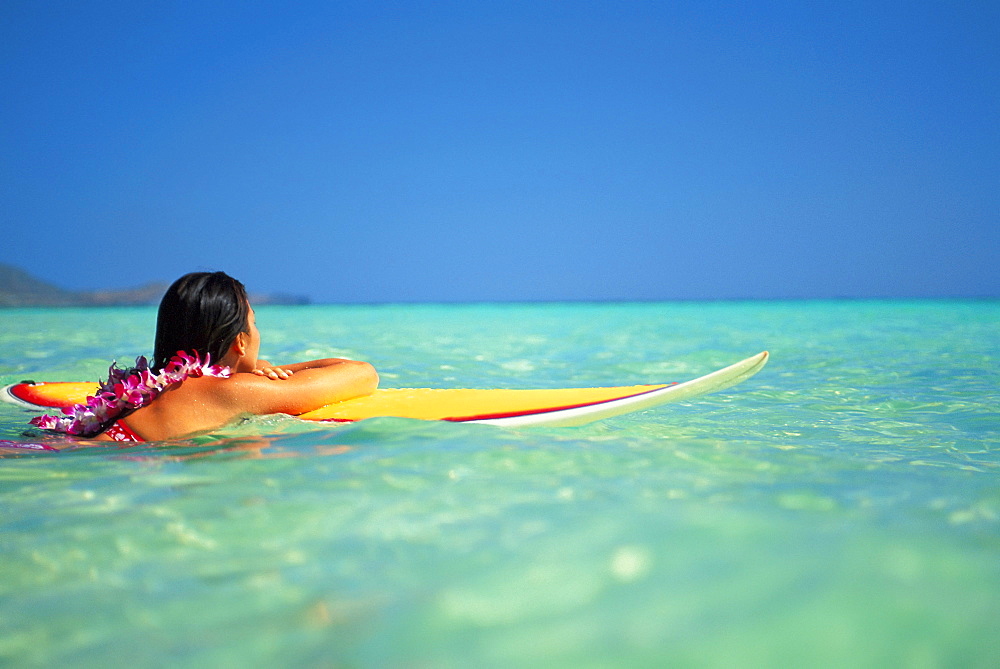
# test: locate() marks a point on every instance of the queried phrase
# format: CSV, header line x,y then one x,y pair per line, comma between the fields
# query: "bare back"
x,y
207,403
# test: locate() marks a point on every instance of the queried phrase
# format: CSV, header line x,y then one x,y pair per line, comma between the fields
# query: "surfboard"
x,y
506,407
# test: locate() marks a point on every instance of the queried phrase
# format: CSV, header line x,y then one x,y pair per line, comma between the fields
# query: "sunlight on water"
x,y
842,508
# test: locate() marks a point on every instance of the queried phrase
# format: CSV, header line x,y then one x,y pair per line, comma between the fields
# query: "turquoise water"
x,y
842,508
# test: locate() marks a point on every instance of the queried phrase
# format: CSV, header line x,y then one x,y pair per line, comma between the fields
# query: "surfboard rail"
x,y
709,383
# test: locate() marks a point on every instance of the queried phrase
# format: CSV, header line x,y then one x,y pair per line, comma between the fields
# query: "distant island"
x,y
18,288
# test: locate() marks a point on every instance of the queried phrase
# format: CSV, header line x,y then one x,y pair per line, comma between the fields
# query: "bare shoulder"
x,y
234,389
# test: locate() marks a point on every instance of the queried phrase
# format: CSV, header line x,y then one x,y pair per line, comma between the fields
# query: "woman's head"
x,y
203,312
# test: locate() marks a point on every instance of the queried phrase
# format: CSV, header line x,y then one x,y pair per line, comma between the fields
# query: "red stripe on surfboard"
x,y
532,412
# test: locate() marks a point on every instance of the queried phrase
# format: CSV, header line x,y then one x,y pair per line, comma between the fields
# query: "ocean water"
x,y
842,508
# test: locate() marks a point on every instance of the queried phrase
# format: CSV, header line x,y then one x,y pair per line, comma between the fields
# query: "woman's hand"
x,y
274,373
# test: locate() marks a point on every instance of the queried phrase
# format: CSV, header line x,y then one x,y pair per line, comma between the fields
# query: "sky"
x,y
506,151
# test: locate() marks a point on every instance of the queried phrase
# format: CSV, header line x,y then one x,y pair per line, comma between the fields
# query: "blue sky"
x,y
440,151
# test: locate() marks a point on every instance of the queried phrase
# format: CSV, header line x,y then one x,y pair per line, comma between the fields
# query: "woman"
x,y
205,318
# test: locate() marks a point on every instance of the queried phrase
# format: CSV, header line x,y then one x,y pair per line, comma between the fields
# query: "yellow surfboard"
x,y
564,406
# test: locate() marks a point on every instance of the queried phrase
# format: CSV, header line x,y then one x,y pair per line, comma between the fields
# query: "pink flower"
x,y
45,422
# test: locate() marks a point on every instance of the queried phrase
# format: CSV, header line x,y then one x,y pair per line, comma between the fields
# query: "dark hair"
x,y
201,312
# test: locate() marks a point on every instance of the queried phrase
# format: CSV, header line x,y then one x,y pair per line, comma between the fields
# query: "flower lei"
x,y
127,390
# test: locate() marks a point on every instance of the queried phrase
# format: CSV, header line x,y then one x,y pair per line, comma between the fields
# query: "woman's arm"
x,y
302,387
